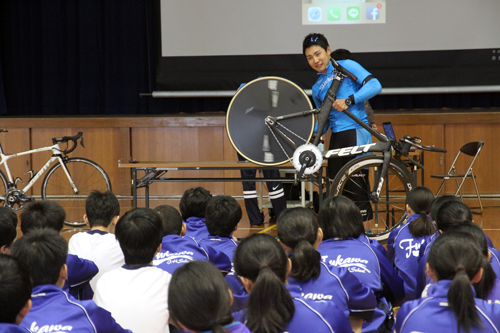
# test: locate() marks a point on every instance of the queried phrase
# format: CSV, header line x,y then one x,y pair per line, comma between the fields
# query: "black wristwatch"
x,y
349,100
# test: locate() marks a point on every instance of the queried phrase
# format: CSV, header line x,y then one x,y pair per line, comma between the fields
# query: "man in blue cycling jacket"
x,y
350,95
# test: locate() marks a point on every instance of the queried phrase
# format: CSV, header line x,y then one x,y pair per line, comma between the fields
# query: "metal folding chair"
x,y
472,149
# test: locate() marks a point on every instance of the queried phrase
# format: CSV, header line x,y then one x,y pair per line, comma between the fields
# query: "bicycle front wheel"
x,y
86,175
389,211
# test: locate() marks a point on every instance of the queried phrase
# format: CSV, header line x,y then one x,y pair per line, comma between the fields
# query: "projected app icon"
x,y
353,13
333,14
314,14
372,13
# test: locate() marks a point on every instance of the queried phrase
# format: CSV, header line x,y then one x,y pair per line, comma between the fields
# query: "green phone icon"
x,y
353,13
333,14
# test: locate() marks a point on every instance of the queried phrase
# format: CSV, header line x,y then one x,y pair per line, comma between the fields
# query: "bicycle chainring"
x,y
16,199
315,150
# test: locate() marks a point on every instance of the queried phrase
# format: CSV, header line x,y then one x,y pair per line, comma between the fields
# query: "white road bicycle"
x,y
68,181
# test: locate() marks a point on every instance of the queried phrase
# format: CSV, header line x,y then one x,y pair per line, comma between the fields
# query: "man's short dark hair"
x,y
42,214
101,208
139,233
223,215
194,202
8,226
44,251
15,287
171,220
314,39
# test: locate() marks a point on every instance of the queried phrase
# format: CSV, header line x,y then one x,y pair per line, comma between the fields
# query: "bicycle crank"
x,y
16,198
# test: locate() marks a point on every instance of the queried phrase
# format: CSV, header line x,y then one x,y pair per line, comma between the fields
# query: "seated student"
x,y
449,215
340,220
47,214
136,293
405,241
176,250
300,236
454,263
199,300
15,294
193,206
8,229
99,244
488,288
274,305
44,251
222,217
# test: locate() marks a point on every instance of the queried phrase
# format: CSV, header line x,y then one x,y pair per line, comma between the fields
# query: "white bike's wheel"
x,y
3,188
87,176
389,212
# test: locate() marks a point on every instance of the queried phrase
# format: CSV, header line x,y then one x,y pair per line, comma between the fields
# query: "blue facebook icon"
x,y
372,13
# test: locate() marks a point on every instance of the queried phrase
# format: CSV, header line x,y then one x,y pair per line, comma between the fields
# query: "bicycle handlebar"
x,y
74,139
419,146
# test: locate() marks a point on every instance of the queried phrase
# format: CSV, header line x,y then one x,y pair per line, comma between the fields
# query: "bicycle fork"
x,y
380,178
66,171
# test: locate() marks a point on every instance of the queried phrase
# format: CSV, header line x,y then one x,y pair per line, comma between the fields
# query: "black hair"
x,y
476,234
298,229
101,208
222,216
15,287
198,298
455,257
314,39
42,214
452,213
341,54
420,201
339,217
139,233
438,202
194,202
262,260
45,252
8,226
171,219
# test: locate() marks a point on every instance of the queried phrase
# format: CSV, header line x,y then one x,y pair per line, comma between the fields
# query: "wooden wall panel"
x,y
180,144
486,166
15,141
105,146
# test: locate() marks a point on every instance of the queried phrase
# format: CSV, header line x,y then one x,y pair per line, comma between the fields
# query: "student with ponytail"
x,y
404,242
300,236
199,300
339,218
273,305
454,263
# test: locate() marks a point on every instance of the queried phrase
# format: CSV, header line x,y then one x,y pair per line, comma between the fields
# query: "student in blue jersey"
x,y
99,244
15,294
222,217
193,205
488,288
199,300
339,219
404,242
450,214
350,95
454,263
300,236
176,250
136,293
44,251
8,229
273,305
47,214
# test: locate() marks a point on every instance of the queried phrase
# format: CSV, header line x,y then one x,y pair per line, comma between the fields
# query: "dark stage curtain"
x,y
95,57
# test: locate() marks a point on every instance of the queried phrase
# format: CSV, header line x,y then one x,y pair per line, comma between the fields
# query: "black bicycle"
x,y
267,125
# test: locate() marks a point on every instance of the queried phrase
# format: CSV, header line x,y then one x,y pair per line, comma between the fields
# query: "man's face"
x,y
318,58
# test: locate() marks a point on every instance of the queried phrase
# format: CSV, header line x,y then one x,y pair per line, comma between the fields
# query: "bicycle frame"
x,y
56,156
